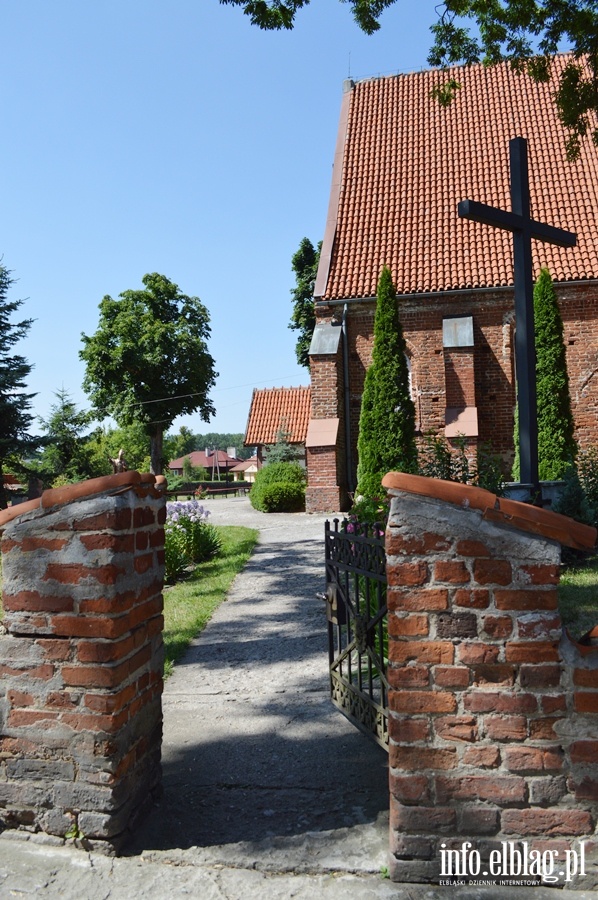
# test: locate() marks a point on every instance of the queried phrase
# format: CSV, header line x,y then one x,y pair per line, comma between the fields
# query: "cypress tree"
x,y
557,447
387,422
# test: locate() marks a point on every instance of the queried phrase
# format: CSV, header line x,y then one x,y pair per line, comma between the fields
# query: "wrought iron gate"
x,y
357,632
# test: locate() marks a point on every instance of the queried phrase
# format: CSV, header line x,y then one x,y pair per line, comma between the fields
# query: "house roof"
x,y
276,409
252,463
201,458
403,162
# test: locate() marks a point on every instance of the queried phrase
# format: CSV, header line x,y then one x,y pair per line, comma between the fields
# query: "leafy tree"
x,y
303,318
386,439
193,473
557,447
148,361
177,445
67,451
528,34
133,440
15,418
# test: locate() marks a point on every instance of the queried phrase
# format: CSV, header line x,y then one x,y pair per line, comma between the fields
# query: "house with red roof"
x,y
402,164
215,462
278,413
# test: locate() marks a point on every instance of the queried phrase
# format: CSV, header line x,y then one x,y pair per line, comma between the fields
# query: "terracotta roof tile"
x,y
276,409
408,161
201,458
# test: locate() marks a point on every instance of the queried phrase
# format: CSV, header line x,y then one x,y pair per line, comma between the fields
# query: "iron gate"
x,y
357,629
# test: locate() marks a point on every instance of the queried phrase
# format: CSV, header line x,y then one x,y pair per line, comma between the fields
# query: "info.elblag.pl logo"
x,y
514,863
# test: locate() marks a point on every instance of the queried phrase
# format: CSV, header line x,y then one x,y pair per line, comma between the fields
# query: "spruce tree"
x,y
15,417
387,422
557,447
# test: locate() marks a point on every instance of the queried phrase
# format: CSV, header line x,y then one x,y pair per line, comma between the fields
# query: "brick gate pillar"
x,y
81,662
493,710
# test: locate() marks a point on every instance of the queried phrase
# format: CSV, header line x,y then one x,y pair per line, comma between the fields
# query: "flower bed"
x,y
189,538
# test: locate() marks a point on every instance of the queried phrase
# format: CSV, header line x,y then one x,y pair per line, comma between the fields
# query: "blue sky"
x,y
175,138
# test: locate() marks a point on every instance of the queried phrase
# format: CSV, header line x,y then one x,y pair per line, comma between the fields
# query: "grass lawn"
x,y
189,604
578,597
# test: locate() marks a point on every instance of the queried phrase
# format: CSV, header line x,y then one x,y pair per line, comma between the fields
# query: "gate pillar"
x,y
493,709
82,657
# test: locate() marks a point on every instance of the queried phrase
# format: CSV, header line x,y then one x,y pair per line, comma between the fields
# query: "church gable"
x,y
404,162
402,165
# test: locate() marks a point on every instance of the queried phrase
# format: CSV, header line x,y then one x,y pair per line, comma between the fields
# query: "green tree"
x,y
528,34
557,447
67,451
387,422
282,450
303,318
177,445
15,418
106,442
148,361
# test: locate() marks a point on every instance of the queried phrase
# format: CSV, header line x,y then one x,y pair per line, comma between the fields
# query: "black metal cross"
x,y
524,228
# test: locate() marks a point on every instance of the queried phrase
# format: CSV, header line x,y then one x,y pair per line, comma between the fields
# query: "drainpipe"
x,y
348,458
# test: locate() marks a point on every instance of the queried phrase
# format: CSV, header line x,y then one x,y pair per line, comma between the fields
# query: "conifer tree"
x,y
15,404
387,422
557,447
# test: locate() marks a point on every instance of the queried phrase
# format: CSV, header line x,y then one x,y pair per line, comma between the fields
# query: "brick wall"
x,y
81,662
492,391
493,709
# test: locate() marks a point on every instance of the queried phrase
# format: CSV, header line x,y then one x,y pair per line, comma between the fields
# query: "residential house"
x,y
215,462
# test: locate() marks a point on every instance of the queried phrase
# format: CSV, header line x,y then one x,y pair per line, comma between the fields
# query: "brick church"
x,y
402,163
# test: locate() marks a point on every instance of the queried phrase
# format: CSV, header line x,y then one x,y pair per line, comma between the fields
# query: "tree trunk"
x,y
156,451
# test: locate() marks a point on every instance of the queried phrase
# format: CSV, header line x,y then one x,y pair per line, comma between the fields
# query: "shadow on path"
x,y
253,747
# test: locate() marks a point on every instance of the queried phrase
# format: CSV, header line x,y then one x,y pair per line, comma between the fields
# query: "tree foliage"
x,y
15,418
185,442
557,447
148,361
303,318
67,453
386,439
527,33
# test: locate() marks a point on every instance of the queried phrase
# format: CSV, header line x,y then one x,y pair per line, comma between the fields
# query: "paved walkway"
x,y
269,792
253,748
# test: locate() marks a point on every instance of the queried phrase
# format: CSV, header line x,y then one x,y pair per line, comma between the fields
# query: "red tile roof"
x,y
404,162
201,458
276,409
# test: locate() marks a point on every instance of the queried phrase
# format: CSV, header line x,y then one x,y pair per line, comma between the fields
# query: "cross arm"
x,y
509,221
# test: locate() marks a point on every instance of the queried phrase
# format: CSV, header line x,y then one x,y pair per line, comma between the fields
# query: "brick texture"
x,y
482,377
82,664
503,706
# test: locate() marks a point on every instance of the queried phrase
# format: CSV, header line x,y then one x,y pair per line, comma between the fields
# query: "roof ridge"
x,y
424,70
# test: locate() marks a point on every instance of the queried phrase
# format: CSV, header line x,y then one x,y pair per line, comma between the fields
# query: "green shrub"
x,y
175,552
283,496
203,541
189,538
276,473
439,460
579,497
